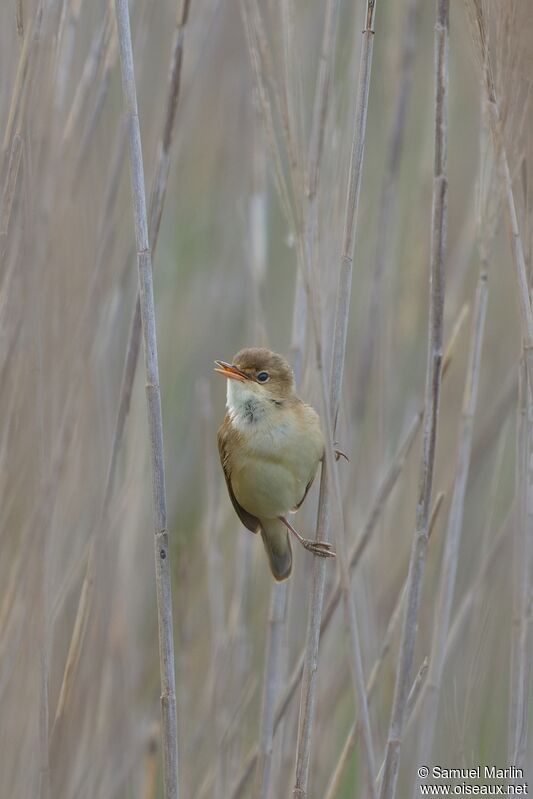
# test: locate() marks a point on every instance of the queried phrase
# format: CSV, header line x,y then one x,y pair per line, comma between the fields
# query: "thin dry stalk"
x,y
279,598
278,612
274,656
88,76
467,603
352,207
65,45
520,662
476,15
20,18
372,682
8,196
455,525
291,96
312,640
432,400
316,142
91,125
132,351
88,585
29,45
157,199
388,208
329,475
252,28
521,628
215,588
258,230
169,726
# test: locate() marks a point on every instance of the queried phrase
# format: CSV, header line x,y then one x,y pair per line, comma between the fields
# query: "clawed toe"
x,y
321,548
339,453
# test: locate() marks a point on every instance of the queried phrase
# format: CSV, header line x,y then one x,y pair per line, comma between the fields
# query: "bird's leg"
x,y
321,548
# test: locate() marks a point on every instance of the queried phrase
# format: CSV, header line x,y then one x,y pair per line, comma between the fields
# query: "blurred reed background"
x,y
256,124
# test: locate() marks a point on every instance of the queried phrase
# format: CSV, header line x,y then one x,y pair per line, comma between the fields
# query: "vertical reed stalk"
x,y
279,598
389,202
455,525
278,611
521,627
476,15
465,606
432,402
169,727
331,406
279,592
132,351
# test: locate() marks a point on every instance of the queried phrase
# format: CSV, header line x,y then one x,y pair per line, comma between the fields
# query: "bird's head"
x,y
258,372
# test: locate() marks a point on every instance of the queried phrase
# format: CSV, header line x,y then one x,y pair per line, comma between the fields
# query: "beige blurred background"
x,y
225,275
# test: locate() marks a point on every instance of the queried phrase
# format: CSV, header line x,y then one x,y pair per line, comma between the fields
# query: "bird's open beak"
x,y
230,371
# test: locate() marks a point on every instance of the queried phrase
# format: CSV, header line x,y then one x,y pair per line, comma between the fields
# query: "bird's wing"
x,y
308,486
314,417
250,522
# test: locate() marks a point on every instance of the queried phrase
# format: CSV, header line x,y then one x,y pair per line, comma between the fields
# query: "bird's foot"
x,y
321,548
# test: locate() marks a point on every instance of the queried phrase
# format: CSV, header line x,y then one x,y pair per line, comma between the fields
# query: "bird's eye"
x,y
262,377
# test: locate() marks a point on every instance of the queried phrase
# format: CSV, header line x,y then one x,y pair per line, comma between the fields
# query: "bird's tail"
x,y
278,547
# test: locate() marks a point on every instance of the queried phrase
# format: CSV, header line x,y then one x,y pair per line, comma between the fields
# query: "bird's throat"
x,y
245,408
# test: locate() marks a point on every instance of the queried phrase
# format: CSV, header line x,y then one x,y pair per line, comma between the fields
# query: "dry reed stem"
x,y
90,127
466,604
384,259
169,726
29,44
8,195
475,13
90,69
292,93
520,659
252,28
280,593
271,685
352,207
19,11
372,682
88,585
65,47
520,667
432,401
157,199
277,618
132,351
329,474
258,232
450,557
316,142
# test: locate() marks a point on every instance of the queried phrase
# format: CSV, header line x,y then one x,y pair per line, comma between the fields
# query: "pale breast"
x,y
277,459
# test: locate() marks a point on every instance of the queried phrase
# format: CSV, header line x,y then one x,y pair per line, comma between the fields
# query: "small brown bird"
x,y
270,445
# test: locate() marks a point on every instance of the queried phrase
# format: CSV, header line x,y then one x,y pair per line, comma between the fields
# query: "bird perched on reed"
x,y
270,444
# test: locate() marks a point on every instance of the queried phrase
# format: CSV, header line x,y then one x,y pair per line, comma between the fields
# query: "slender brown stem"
x,y
432,403
455,525
169,726
330,489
